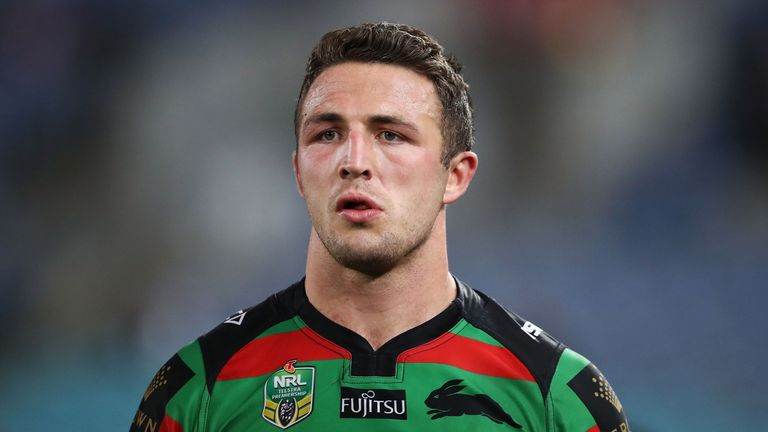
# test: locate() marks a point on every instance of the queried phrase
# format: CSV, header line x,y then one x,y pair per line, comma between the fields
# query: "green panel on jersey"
x,y
473,332
185,404
570,413
286,326
192,357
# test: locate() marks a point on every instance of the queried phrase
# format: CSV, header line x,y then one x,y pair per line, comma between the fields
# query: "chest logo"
x,y
447,401
379,403
288,395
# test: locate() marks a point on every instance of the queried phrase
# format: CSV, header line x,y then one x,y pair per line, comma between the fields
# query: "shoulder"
x,y
220,344
582,396
174,394
183,384
576,393
535,348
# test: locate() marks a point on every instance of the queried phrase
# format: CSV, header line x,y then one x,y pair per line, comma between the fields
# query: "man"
x,y
379,335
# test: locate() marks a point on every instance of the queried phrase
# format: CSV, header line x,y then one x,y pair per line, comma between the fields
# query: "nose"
x,y
357,157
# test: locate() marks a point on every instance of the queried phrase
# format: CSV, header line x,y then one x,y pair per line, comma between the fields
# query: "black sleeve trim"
x,y
167,382
599,398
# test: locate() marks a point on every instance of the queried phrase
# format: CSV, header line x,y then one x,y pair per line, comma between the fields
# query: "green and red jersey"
x,y
283,365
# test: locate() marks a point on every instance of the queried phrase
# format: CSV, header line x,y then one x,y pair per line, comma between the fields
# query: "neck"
x,y
381,307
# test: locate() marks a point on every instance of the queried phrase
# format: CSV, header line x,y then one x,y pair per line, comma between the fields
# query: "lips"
x,y
357,208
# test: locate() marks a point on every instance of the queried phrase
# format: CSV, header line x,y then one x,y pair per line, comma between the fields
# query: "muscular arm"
x,y
173,400
582,400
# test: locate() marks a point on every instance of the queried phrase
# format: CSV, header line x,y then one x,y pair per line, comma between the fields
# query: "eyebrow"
x,y
393,120
327,117
379,119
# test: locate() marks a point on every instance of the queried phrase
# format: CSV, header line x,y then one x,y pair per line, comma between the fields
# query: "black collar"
x,y
382,362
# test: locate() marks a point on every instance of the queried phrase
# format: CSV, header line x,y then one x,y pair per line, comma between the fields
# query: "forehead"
x,y
372,89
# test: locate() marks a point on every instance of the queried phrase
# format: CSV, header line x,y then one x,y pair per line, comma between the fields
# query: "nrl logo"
x,y
288,395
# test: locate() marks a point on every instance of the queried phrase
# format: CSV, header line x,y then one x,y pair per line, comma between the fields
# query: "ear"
x,y
450,383
296,173
460,172
453,389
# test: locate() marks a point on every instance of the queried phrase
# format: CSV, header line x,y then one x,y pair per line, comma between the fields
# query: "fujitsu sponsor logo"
x,y
373,403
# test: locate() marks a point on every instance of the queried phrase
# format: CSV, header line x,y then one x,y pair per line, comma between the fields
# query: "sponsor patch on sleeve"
x,y
166,383
597,395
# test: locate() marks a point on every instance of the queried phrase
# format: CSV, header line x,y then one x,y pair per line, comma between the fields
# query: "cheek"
x,y
411,162
314,163
422,177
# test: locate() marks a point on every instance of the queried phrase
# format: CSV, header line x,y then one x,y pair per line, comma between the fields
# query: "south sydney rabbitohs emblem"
x,y
447,401
288,395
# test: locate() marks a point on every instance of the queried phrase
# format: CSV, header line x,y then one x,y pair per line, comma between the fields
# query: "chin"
x,y
369,253
372,261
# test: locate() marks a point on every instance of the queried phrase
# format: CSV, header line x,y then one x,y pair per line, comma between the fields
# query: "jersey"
x,y
283,365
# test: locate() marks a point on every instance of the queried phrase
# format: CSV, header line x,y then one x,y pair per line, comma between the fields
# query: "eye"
x,y
329,135
390,136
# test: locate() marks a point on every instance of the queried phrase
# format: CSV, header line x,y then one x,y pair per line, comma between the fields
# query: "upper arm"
x,y
172,401
582,399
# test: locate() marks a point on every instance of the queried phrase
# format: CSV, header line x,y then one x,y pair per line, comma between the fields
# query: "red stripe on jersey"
x,y
470,355
170,425
594,429
268,354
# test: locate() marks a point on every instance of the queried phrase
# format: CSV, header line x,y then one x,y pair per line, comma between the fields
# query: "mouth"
x,y
357,208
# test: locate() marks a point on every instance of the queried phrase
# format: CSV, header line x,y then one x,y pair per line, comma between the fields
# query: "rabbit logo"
x,y
447,401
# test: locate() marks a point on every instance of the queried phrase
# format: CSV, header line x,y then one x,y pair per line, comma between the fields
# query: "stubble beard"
x,y
376,255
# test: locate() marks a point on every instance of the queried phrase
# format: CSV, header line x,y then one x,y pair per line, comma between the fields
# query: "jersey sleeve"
x,y
173,400
582,400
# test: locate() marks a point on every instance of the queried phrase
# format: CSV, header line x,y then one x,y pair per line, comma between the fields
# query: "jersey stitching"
x,y
549,402
205,400
553,364
549,406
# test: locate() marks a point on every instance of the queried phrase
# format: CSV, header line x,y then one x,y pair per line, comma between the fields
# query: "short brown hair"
x,y
401,45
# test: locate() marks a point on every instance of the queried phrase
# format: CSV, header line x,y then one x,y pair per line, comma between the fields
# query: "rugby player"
x,y
379,335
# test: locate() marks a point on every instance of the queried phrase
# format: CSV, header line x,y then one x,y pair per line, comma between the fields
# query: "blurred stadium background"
x,y
621,202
